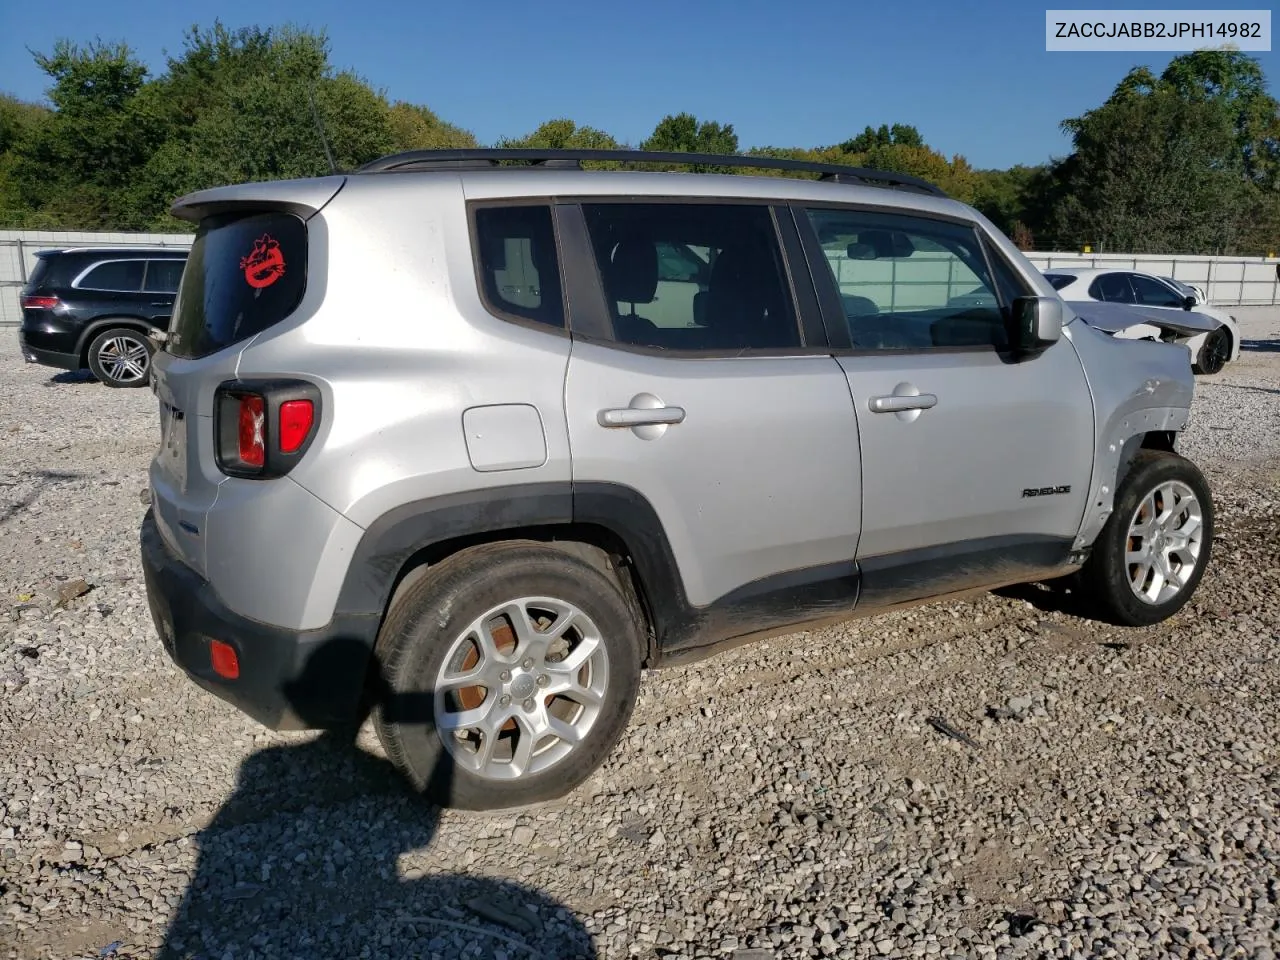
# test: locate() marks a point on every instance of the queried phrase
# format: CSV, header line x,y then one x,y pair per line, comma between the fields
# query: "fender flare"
x,y
457,520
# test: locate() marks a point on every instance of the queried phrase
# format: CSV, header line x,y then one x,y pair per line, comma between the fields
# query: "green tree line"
x,y
1187,161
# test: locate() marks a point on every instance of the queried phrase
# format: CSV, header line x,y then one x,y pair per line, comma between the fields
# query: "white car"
x,y
1210,351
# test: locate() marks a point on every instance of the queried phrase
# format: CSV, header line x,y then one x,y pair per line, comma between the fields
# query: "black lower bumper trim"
x,y
49,358
289,679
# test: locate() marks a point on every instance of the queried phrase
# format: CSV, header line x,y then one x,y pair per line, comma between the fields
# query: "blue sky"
x,y
973,77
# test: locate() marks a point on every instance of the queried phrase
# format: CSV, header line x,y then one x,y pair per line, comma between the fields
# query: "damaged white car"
x,y
1140,306
1133,322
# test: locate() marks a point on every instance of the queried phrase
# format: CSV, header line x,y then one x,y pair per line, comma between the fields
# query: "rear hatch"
x,y
247,271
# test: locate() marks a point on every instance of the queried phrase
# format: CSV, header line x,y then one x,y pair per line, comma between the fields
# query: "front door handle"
x,y
640,416
896,404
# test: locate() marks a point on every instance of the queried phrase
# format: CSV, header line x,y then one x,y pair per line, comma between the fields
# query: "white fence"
x,y
18,256
1230,281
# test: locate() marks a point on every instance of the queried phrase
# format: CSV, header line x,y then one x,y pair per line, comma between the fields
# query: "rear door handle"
x,y
896,403
640,416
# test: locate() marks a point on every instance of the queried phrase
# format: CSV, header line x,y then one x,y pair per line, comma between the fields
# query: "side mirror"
x,y
1036,323
1189,303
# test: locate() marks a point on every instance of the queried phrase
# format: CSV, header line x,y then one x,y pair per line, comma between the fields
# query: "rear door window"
x,y
163,276
120,276
244,274
1113,288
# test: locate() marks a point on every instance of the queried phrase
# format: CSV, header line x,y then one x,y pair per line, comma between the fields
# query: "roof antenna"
x,y
324,141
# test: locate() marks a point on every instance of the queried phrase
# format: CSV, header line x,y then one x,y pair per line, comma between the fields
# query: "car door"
x,y
160,287
975,468
735,428
114,286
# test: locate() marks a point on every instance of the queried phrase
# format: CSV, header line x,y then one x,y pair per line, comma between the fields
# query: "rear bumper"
x,y
289,679
41,354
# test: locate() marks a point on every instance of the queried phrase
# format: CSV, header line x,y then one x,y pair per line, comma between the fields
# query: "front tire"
x,y
509,673
1214,353
121,357
1153,550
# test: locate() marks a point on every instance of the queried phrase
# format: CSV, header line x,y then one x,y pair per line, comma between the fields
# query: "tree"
x,y
1184,162
1235,84
417,128
902,135
561,134
80,158
1152,171
684,133
257,104
18,121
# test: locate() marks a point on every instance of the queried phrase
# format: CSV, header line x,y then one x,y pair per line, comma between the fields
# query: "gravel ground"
x,y
1117,793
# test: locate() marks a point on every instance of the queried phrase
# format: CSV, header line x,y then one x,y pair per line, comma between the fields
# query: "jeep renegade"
x,y
469,438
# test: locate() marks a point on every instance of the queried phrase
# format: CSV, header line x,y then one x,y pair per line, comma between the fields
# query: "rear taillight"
x,y
263,428
39,303
251,429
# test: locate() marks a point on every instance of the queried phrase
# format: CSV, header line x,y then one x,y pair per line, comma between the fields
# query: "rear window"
x,y
1059,280
243,275
39,273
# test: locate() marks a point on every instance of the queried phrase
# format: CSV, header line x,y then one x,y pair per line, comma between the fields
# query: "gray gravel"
x,y
1106,793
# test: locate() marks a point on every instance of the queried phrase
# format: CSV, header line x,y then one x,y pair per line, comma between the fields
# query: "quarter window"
x,y
911,283
693,276
163,276
121,276
519,269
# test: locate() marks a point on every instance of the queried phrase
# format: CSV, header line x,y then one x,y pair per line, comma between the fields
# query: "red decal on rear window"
x,y
265,265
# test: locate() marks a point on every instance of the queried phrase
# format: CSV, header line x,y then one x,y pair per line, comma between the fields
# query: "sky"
x,y
974,77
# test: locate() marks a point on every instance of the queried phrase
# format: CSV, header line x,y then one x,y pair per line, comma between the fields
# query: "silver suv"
x,y
467,439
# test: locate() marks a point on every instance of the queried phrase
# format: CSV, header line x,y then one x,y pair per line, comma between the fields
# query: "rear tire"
x,y
1153,550
487,710
121,357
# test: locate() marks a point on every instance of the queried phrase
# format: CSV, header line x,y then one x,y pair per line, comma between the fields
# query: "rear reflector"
x,y
223,657
39,303
295,424
253,447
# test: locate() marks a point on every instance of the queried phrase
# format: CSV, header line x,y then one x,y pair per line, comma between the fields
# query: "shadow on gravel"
x,y
44,479
1261,346
302,862
1051,596
70,376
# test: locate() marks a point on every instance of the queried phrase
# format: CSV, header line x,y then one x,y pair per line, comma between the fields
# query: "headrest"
x,y
633,272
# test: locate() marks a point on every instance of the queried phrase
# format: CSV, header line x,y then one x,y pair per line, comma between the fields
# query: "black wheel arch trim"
x,y
94,327
681,631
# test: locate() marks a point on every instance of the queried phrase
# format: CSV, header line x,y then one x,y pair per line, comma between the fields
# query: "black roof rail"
x,y
478,159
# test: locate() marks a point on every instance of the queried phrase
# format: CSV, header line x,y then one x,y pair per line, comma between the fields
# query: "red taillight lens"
x,y
252,428
39,303
295,424
223,658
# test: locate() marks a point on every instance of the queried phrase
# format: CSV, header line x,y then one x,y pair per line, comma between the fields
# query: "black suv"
x,y
92,307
